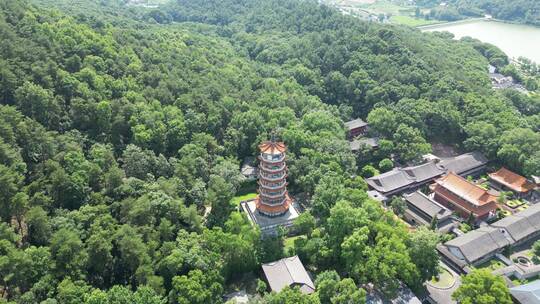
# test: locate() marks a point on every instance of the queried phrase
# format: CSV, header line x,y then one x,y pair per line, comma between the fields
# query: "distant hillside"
x,y
523,11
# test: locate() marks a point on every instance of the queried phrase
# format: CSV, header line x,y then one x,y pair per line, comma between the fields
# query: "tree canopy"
x,y
122,129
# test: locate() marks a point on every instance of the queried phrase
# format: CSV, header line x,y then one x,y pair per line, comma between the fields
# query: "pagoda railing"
x,y
281,202
278,186
266,160
274,169
277,178
273,195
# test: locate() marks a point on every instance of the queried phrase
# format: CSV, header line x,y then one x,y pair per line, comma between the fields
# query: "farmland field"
x,y
411,21
394,11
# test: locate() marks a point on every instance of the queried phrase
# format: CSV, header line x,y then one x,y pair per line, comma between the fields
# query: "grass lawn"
x,y
485,185
399,14
517,281
444,280
411,21
384,6
514,203
522,207
237,199
289,242
506,212
492,265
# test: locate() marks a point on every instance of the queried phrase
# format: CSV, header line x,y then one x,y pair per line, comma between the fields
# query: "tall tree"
x,y
423,252
482,287
196,288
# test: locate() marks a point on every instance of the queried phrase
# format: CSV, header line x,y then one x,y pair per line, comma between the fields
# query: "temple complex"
x,y
273,207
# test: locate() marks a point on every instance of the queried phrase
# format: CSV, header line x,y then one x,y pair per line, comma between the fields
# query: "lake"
x,y
514,39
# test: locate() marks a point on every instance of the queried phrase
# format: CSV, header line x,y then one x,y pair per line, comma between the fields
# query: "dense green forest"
x,y
525,11
522,11
121,126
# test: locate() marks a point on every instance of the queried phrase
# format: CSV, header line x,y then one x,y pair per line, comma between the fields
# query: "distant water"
x,y
514,39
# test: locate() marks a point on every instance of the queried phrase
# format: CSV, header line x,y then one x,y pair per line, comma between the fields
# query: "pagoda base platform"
x,y
269,225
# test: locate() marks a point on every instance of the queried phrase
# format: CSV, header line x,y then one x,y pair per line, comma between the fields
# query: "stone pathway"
x,y
444,295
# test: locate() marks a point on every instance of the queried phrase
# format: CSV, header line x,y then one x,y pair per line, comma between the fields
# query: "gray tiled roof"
x,y
404,296
463,163
424,172
528,293
484,241
427,205
522,224
479,243
287,272
532,214
389,181
357,123
248,170
249,167
402,177
372,142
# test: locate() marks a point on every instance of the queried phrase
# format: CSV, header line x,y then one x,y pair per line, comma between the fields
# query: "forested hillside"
x,y
523,11
417,83
121,127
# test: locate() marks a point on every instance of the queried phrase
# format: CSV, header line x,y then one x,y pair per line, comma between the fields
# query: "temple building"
x,y
464,197
273,199
505,179
273,207
288,272
356,128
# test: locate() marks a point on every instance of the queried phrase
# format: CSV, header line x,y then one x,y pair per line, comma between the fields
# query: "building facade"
x,y
464,197
507,180
408,179
480,245
356,128
273,199
421,210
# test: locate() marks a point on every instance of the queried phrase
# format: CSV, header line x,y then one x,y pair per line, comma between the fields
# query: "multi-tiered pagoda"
x,y
273,199
273,208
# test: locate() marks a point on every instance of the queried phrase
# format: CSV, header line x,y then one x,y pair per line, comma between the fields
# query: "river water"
x,y
514,39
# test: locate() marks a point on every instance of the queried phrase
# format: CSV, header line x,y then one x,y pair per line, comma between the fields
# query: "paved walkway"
x,y
444,295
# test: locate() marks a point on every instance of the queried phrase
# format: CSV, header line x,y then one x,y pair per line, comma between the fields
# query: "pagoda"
x,y
273,199
273,208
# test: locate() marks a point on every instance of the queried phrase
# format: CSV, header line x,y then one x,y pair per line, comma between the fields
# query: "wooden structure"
x,y
505,179
464,197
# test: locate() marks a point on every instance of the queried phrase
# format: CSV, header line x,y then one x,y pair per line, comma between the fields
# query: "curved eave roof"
x,y
271,147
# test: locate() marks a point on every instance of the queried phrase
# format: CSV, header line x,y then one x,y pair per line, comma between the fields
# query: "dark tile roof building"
x,y
356,128
527,293
249,169
404,295
479,245
400,180
288,272
370,142
464,164
422,209
522,225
